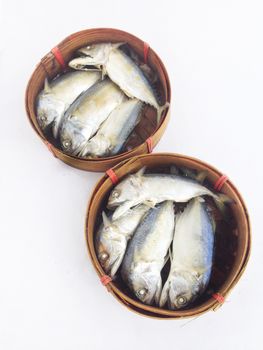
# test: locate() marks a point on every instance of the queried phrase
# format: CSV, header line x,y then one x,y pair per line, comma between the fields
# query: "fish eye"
x,y
181,300
66,144
142,292
115,194
103,256
88,47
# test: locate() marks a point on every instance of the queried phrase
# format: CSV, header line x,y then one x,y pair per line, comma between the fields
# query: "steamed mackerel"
x,y
152,189
147,252
121,69
84,117
58,95
112,237
114,132
192,256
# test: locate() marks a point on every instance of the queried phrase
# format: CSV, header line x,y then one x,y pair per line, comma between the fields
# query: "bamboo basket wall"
x,y
50,67
232,240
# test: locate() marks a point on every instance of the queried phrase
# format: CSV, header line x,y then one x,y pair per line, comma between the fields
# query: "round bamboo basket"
x,y
233,239
146,134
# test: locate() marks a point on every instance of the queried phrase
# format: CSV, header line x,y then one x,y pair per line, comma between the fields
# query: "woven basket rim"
x,y
141,148
152,311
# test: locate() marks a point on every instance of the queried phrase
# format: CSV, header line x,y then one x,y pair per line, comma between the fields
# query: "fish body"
x,y
121,69
58,95
152,189
112,237
114,132
147,252
192,256
84,117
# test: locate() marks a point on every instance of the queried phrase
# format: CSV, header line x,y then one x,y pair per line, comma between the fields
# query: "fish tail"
x,y
200,177
160,111
158,292
174,170
122,209
47,87
117,45
221,200
164,294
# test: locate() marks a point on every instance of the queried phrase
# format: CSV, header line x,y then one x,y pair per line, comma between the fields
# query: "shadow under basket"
x,y
232,247
146,134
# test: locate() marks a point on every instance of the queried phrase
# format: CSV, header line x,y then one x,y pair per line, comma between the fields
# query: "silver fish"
x,y
147,252
58,95
114,132
112,237
155,188
192,256
121,69
84,117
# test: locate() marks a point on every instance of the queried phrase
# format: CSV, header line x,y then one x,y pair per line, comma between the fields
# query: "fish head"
x,y
110,248
146,282
95,55
181,289
128,188
73,137
48,109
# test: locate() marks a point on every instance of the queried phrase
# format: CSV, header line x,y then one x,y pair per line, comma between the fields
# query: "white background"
x,y
50,296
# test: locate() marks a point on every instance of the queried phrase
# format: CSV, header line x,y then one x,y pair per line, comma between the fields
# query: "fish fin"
x,y
200,177
170,253
164,295
47,87
160,111
166,258
117,45
137,177
141,171
103,71
117,263
149,203
213,221
148,72
221,200
174,170
105,219
158,291
122,209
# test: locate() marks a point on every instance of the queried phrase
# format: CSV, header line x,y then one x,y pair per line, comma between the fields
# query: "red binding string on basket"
x,y
114,178
105,279
50,148
218,297
146,48
149,143
220,182
59,58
